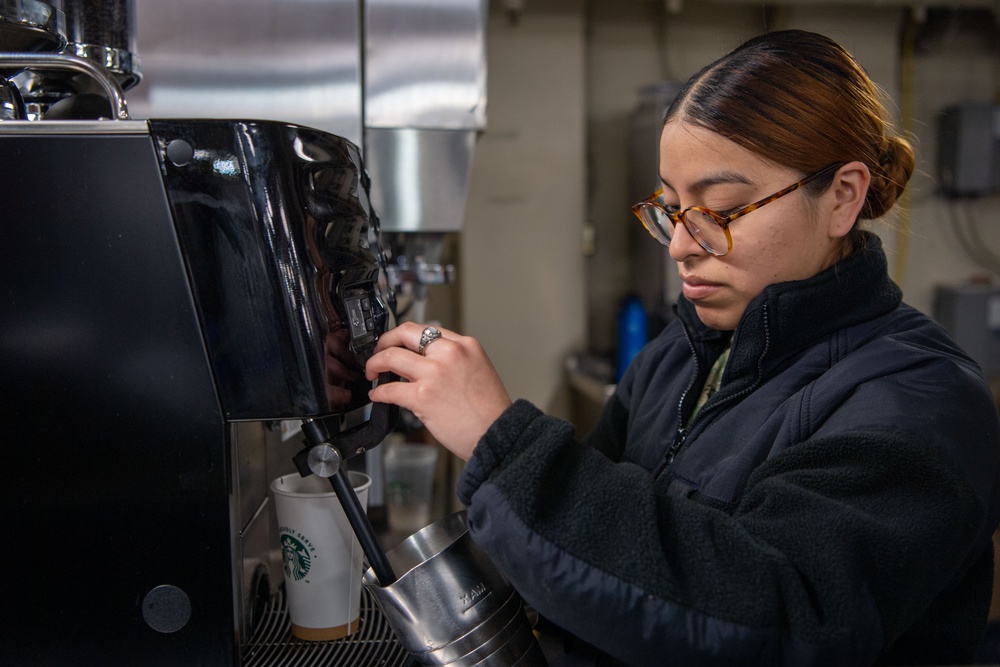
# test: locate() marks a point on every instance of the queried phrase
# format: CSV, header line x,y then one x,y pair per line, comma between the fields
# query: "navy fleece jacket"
x,y
833,503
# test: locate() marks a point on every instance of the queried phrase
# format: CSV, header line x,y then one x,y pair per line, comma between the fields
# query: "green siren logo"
x,y
296,557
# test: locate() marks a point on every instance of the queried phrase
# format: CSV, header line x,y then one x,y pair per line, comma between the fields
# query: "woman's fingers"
x,y
452,387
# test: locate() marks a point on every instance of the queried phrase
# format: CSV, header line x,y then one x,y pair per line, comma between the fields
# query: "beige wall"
x,y
553,163
521,269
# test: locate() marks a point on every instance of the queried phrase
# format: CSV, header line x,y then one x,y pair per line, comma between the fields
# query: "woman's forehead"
x,y
694,158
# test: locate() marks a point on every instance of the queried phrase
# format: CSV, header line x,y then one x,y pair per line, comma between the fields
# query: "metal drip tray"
x,y
373,645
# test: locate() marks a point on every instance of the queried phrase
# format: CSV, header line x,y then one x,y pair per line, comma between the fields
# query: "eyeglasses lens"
x,y
706,231
656,222
700,225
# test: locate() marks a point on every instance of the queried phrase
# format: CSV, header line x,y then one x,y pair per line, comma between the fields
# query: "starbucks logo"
x,y
296,557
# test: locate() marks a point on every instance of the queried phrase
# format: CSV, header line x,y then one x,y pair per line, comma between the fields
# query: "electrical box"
x,y
969,150
971,314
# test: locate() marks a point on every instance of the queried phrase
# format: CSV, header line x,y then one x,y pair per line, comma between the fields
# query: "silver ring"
x,y
427,336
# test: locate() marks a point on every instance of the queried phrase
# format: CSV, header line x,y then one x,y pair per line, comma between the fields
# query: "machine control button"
x,y
180,152
166,609
356,317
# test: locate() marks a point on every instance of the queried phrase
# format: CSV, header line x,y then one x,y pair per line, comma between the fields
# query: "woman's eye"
x,y
725,211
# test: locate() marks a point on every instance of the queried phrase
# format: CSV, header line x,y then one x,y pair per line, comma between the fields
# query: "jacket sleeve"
x,y
835,544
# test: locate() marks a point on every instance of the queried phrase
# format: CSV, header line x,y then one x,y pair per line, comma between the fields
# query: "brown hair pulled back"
x,y
800,100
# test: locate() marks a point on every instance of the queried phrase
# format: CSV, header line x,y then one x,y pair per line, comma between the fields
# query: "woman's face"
x,y
788,239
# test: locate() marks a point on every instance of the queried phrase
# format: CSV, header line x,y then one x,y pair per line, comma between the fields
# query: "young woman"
x,y
800,469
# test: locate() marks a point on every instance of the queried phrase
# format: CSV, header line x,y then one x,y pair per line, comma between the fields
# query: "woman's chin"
x,y
723,319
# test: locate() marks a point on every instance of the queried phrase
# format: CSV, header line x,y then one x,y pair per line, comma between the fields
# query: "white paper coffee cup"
x,y
322,556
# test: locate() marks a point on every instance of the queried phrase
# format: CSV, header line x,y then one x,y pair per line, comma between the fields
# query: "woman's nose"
x,y
682,244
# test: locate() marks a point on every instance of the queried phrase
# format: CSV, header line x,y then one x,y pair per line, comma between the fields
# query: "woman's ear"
x,y
847,195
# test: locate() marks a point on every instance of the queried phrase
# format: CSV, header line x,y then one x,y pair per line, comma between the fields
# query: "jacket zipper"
x,y
682,433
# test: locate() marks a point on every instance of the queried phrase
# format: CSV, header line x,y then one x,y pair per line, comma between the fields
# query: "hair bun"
x,y
888,155
895,166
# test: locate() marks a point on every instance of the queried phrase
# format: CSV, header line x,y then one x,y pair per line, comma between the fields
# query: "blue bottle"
x,y
633,332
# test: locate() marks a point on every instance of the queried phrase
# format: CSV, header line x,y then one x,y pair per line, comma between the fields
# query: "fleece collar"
x,y
791,316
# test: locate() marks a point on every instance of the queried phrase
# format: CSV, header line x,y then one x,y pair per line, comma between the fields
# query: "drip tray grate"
x,y
273,645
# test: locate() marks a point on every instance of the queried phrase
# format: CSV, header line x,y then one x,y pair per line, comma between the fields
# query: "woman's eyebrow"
x,y
719,178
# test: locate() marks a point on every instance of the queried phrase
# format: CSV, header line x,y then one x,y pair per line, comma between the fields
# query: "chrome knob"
x,y
324,460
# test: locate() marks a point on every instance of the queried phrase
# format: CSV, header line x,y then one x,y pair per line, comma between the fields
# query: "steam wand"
x,y
324,456
362,528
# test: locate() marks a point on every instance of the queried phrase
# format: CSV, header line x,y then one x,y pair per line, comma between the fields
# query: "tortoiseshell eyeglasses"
x,y
709,228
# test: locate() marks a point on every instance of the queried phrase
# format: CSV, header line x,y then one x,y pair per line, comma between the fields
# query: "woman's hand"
x,y
453,388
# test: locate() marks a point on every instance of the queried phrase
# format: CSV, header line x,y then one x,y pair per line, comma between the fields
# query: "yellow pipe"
x,y
906,109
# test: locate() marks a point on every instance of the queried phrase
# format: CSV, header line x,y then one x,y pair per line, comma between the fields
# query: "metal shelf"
x,y
373,645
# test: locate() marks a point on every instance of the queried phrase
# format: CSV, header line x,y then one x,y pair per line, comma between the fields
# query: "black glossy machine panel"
x,y
167,288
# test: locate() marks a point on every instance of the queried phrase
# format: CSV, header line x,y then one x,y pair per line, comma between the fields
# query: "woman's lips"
x,y
695,288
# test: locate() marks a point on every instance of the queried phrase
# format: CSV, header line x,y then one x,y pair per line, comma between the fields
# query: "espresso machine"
x,y
173,291
181,285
